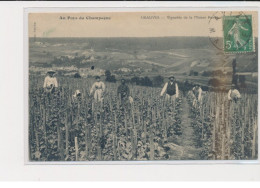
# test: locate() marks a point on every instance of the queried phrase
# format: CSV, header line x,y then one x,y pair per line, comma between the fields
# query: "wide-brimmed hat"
x,y
51,71
77,93
171,77
97,77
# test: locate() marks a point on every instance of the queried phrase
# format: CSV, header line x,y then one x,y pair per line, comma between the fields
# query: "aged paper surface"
x,y
138,86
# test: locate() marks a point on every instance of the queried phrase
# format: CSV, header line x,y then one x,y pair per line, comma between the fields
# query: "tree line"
x,y
156,81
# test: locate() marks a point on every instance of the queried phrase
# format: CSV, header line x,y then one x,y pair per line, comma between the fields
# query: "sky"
x,y
130,24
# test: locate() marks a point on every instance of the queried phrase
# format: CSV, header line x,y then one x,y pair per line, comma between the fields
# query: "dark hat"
x,y
97,77
51,71
171,77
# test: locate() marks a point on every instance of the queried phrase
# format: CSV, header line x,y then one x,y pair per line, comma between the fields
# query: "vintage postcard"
x,y
143,86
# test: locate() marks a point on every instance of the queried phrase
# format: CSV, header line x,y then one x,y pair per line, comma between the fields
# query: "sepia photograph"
x,y
142,86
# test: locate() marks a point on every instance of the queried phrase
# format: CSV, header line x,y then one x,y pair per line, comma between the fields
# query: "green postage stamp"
x,y
238,34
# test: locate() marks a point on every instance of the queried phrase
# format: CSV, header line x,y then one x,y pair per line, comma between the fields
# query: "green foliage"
x,y
110,77
214,82
115,131
158,81
224,130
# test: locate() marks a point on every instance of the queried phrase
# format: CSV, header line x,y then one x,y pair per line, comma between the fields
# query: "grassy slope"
x,y
167,59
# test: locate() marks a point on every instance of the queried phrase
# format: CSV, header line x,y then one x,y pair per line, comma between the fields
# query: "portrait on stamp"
x,y
142,86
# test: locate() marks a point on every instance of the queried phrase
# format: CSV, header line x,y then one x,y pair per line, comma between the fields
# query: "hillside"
x,y
151,56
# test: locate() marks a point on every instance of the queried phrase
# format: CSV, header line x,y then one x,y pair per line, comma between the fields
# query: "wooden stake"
x,y
215,127
67,134
76,148
151,146
254,139
86,140
115,139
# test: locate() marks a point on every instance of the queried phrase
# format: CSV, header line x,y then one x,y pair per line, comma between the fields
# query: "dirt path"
x,y
183,146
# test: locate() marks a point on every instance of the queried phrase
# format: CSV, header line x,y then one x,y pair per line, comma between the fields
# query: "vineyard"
x,y
226,130
62,129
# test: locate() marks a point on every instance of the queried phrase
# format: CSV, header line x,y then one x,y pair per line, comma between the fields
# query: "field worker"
x,y
171,89
197,92
50,82
123,91
233,94
98,88
76,96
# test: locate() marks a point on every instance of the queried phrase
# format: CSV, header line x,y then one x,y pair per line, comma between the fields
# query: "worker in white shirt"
x,y
171,89
76,97
233,94
98,88
50,82
197,92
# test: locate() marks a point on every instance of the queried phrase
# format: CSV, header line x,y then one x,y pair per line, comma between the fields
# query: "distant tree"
x,y
195,73
135,80
56,60
205,88
112,78
242,79
146,81
206,73
157,81
77,75
234,64
217,73
229,73
214,82
184,86
234,79
155,69
142,81
109,77
107,73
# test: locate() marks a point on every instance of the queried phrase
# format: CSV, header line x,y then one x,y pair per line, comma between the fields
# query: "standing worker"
x,y
98,88
172,90
123,92
50,82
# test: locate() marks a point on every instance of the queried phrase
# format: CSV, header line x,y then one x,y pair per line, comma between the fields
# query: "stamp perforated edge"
x,y
239,52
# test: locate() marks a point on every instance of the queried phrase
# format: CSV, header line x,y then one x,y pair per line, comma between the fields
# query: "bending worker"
x,y
233,94
197,92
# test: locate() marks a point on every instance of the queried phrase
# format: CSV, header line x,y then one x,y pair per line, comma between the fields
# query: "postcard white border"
x,y
103,9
